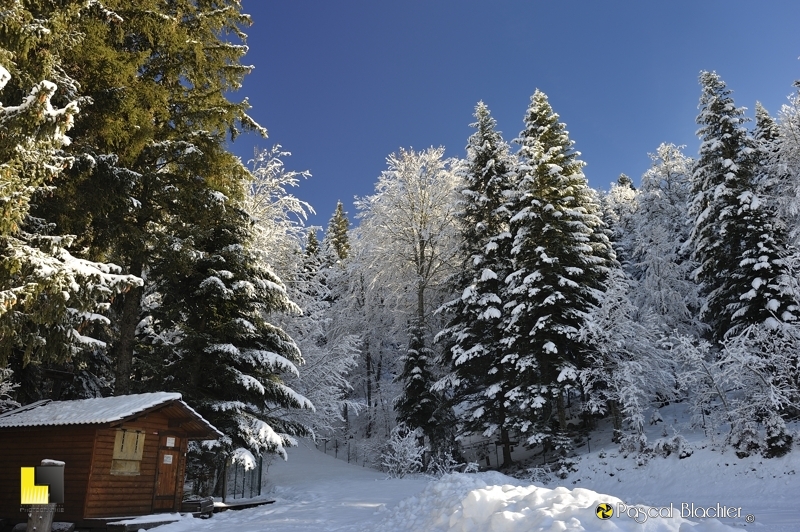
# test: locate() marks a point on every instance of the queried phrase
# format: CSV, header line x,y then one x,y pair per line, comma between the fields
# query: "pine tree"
x,y
51,301
737,246
561,259
215,344
336,236
480,378
416,405
151,140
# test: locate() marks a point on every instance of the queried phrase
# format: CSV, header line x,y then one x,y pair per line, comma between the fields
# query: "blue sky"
x,y
342,84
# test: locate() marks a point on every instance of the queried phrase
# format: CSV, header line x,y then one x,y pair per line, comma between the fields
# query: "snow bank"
x,y
497,503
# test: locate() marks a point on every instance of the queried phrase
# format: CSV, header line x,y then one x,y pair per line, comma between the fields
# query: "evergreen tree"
x,y
336,237
480,377
52,301
151,140
737,246
619,206
416,405
312,250
561,259
215,343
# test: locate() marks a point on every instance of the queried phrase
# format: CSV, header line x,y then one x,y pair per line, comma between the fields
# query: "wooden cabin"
x,y
124,456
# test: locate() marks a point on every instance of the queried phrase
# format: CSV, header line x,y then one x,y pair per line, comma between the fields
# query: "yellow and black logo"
x,y
604,511
42,485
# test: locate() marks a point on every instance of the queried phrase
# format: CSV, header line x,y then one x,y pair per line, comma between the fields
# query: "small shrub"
x,y
656,418
676,444
745,440
402,455
538,475
778,441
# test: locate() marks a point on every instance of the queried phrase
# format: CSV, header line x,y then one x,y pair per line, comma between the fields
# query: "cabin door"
x,y
169,450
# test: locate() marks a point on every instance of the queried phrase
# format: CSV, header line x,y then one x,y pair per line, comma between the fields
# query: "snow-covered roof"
x,y
95,411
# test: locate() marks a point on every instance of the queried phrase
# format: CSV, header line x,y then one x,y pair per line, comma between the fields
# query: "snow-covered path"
x,y
315,492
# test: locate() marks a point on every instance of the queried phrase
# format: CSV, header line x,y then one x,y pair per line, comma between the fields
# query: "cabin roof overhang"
x,y
112,412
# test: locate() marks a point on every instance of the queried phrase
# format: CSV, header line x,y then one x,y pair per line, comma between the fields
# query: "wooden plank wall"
x,y
27,447
120,495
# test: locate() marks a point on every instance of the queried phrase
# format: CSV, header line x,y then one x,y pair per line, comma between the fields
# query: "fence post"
x,y
225,480
260,472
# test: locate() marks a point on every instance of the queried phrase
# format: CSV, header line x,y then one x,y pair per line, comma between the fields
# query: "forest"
x,y
497,295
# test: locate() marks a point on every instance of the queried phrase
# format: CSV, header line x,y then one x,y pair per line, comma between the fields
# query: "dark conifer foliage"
x,y
212,340
417,403
53,300
480,375
336,236
561,259
736,243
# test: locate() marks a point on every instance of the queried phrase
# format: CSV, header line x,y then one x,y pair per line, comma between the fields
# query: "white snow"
x,y
315,492
84,411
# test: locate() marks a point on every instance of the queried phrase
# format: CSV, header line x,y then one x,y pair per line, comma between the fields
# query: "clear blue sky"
x,y
342,84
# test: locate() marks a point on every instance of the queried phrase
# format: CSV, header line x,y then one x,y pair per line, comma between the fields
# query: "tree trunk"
x,y
123,349
506,441
368,357
562,412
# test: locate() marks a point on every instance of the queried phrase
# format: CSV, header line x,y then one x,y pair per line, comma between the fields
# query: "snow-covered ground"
x,y
312,492
315,492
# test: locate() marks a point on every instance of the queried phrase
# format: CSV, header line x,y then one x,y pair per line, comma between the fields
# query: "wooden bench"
x,y
199,507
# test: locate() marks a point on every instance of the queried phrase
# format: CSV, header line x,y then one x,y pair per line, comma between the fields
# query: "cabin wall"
x,y
129,495
27,447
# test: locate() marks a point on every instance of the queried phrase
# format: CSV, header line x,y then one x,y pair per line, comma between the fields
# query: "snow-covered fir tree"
x,y
217,341
561,260
417,404
736,244
618,208
7,387
51,301
480,375
336,235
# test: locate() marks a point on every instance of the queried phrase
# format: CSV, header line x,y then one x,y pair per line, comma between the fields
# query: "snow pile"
x,y
497,503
